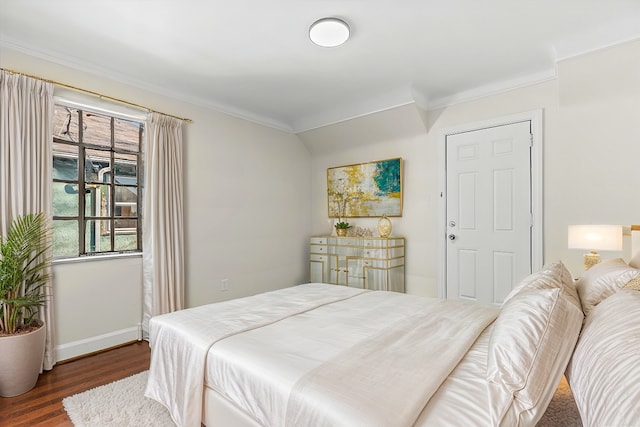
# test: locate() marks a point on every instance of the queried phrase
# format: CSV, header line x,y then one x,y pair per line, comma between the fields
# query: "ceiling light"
x,y
329,32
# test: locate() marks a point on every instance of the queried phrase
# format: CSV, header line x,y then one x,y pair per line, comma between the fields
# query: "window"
x,y
97,192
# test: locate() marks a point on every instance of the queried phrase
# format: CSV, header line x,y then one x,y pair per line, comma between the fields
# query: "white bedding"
x,y
180,340
462,399
375,364
267,372
604,372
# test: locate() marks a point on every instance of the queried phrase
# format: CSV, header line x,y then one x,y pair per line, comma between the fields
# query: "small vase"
x,y
342,232
384,226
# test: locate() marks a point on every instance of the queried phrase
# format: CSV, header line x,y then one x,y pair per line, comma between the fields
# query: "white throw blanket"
x,y
180,341
388,379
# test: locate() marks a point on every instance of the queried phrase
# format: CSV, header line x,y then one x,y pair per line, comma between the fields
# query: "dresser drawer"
x,y
317,249
318,257
374,253
374,263
383,253
382,243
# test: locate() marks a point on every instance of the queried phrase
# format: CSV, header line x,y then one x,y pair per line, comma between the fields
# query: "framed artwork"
x,y
371,189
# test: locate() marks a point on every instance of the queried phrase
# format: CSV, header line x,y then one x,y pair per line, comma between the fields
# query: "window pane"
x,y
65,238
65,161
98,236
126,235
126,201
127,135
97,200
65,123
126,168
97,166
65,199
96,129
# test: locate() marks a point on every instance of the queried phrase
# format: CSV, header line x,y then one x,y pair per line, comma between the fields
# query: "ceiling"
x,y
253,58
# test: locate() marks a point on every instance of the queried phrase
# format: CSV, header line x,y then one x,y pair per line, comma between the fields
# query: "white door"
x,y
488,212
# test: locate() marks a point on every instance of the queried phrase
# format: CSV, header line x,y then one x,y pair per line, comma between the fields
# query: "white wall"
x,y
591,152
97,304
247,208
247,217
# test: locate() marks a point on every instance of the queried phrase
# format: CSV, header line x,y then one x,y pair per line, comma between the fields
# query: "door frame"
x,y
537,243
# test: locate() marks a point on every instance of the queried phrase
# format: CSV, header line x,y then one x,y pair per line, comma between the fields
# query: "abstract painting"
x,y
371,189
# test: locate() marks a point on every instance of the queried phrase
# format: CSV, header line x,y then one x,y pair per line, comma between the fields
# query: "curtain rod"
x,y
110,98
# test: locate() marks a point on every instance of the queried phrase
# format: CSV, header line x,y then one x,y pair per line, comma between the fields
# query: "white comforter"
x,y
352,357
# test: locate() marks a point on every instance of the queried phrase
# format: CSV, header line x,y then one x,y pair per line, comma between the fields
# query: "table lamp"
x,y
595,238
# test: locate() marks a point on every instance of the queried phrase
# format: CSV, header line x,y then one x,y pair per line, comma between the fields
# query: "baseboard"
x,y
90,345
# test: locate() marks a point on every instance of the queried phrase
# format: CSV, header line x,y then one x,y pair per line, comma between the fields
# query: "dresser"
x,y
361,262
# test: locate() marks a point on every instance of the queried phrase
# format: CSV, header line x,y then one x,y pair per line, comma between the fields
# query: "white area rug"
x,y
120,403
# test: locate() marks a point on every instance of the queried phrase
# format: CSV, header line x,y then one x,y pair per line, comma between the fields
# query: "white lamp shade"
x,y
595,237
329,32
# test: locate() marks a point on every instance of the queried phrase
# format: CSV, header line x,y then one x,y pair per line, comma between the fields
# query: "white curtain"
x,y
162,230
26,164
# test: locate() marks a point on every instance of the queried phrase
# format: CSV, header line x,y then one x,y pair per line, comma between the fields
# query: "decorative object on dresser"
x,y
595,238
360,262
363,232
384,226
342,227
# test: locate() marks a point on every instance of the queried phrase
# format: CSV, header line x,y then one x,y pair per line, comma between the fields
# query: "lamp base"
x,y
591,259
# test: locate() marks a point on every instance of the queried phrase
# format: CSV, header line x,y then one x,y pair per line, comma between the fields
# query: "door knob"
x,y
452,237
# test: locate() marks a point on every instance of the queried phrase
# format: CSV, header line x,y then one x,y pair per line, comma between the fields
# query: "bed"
x,y
328,355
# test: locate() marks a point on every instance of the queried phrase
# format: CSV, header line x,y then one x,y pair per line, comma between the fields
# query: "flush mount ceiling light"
x,y
329,32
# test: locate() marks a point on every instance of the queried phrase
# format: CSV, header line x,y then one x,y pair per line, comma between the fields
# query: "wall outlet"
x,y
224,285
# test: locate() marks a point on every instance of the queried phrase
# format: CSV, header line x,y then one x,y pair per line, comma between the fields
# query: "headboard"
x,y
635,240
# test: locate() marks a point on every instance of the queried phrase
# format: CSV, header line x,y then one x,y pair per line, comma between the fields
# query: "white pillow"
x,y
551,276
635,261
603,280
530,345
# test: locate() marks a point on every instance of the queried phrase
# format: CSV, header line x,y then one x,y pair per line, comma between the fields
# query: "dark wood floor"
x,y
42,406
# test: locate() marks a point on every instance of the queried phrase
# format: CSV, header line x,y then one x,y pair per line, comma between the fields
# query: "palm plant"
x,y
24,262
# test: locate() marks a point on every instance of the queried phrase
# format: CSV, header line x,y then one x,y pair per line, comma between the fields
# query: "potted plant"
x,y
342,227
340,197
24,271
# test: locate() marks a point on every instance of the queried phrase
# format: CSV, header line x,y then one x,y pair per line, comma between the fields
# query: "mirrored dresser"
x,y
375,263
